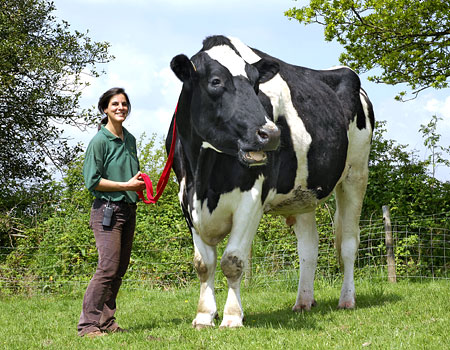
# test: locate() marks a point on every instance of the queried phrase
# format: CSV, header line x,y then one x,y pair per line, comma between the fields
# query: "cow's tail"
x,y
367,107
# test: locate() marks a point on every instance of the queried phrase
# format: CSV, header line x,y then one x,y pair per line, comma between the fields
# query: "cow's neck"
x,y
190,140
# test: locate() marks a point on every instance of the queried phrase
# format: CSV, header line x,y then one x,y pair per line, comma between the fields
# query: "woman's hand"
x,y
136,183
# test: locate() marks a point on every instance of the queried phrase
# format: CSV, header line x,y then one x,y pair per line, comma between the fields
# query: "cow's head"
x,y
225,111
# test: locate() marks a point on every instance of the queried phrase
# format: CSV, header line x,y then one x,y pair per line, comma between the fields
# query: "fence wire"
x,y
420,253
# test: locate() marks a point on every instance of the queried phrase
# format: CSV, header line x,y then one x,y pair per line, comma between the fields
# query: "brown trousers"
x,y
114,249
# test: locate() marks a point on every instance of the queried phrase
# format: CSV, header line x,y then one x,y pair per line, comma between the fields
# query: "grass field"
x,y
406,315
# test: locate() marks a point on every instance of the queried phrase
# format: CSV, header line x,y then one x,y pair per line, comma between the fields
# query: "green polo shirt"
x,y
108,157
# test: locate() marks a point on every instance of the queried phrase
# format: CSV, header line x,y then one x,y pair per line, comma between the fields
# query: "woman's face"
x,y
117,109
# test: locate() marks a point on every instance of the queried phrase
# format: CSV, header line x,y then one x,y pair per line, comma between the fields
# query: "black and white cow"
x,y
258,135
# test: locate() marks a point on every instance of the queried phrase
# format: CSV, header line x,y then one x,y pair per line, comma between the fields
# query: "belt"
x,y
121,203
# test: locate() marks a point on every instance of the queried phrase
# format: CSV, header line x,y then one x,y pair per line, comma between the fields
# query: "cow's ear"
x,y
183,68
267,69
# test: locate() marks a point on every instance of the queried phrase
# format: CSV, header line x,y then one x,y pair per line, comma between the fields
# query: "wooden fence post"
x,y
390,258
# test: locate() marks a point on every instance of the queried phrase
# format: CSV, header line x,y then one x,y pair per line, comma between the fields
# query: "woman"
x,y
111,173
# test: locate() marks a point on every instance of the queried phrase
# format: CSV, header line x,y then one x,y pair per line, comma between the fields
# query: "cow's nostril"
x,y
263,134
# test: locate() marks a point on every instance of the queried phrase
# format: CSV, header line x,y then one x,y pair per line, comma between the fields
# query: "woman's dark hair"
x,y
103,102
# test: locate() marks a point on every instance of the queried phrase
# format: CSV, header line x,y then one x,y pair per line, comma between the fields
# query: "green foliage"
x,y
407,39
431,141
42,65
161,231
399,179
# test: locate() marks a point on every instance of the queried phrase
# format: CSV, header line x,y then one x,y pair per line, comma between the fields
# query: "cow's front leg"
x,y
307,245
205,260
233,264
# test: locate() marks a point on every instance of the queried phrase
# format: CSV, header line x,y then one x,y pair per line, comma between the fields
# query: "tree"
x,y
408,40
400,179
431,140
42,65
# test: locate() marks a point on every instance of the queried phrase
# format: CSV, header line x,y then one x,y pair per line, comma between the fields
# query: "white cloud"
x,y
440,108
149,121
170,84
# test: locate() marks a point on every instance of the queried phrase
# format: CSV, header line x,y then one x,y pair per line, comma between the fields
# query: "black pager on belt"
x,y
107,214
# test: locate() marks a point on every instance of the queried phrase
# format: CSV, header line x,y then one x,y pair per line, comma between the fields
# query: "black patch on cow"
x,y
220,173
218,40
253,76
267,69
287,160
265,101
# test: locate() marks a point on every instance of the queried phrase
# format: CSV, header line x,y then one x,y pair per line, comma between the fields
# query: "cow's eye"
x,y
216,82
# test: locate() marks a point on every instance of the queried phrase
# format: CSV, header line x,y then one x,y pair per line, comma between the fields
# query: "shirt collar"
x,y
111,136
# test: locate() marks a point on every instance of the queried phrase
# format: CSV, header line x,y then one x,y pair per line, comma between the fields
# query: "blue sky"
x,y
146,34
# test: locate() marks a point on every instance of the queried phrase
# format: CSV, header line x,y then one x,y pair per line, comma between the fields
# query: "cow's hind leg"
x,y
307,245
349,198
205,260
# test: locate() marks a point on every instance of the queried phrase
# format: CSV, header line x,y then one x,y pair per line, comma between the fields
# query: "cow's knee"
x,y
202,268
232,265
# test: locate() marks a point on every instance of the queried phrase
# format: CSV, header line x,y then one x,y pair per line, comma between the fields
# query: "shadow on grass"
x,y
260,314
285,318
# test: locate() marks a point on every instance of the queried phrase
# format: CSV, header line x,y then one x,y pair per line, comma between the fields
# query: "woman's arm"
x,y
134,184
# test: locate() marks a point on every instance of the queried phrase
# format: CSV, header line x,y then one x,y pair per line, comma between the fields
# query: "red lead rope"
x,y
164,176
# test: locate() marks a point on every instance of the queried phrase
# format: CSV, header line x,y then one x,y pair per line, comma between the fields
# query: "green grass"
x,y
406,315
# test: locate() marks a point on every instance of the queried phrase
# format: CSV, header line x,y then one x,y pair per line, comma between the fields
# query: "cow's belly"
x,y
297,201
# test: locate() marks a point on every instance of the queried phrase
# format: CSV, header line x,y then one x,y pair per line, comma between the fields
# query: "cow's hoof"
x,y
231,322
199,326
204,321
350,304
304,306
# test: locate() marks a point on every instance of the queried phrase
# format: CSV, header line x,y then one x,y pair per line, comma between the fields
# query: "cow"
x,y
258,135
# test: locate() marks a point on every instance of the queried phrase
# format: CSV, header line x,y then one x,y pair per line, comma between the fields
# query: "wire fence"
x,y
420,253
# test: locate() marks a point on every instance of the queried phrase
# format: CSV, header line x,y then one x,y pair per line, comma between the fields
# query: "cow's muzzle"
x,y
268,138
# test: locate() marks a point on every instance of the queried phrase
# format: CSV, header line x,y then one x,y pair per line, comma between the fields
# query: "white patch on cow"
x,y
359,141
208,145
205,260
228,58
270,124
280,97
339,67
215,225
182,189
247,53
